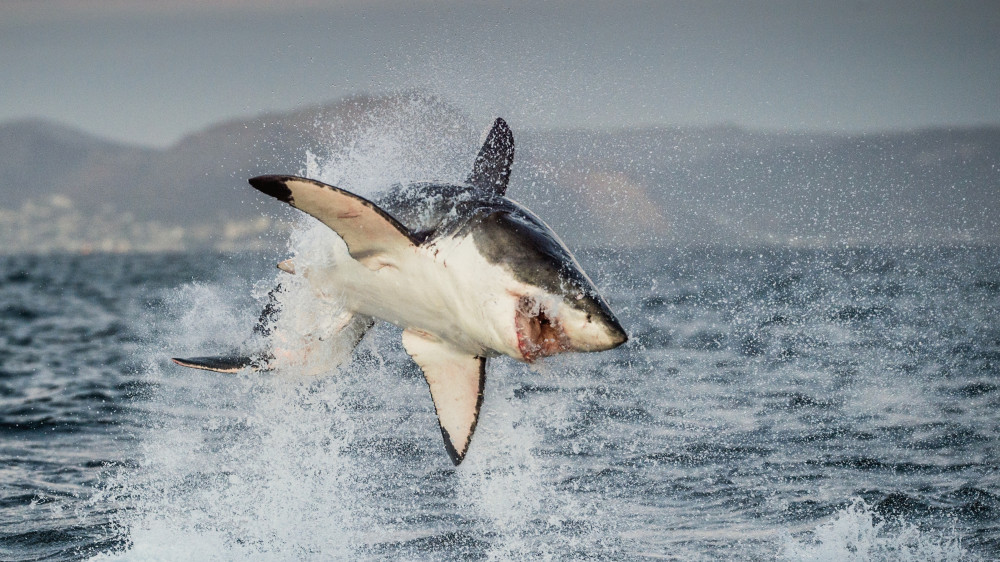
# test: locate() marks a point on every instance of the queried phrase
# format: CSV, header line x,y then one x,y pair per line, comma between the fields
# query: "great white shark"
x,y
467,273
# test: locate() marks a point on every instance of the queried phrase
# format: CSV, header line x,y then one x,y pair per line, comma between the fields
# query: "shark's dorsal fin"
x,y
491,170
456,381
366,228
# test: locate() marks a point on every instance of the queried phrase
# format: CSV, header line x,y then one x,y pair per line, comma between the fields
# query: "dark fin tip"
x,y
456,457
274,186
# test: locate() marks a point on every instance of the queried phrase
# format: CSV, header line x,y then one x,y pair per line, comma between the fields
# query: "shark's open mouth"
x,y
538,333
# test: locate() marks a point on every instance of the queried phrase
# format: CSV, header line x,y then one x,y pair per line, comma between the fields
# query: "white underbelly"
x,y
447,290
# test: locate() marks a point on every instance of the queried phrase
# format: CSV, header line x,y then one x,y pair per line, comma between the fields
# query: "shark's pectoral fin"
x,y
369,231
491,170
456,381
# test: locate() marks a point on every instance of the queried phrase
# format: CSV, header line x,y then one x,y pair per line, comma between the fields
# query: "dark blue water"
x,y
775,403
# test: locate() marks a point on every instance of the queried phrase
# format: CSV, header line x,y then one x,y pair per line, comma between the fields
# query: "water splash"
x,y
284,465
415,138
858,533
231,467
662,451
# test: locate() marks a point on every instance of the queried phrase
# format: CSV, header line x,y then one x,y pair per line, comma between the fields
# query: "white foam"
x,y
511,490
857,533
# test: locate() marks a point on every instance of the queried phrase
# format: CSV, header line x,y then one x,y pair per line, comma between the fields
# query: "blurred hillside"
x,y
63,190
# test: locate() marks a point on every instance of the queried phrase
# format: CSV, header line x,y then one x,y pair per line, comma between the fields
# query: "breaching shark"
x,y
467,273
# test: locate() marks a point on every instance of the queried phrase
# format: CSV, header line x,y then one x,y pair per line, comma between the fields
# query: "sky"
x,y
150,72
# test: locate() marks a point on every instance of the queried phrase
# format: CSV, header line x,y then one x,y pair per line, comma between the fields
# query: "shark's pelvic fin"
x,y
348,325
344,335
456,381
491,170
368,230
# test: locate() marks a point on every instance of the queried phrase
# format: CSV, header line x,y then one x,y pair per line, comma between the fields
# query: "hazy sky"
x,y
151,71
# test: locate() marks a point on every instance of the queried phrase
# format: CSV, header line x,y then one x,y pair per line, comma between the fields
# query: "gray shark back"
x,y
431,210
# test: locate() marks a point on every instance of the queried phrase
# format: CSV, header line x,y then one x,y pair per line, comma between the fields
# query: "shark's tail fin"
x,y
235,361
349,328
222,364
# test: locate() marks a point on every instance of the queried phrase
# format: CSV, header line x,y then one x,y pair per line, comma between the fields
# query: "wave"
x,y
859,533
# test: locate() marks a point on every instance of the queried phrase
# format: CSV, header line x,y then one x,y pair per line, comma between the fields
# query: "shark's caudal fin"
x,y
354,326
491,170
235,361
221,364
456,381
368,230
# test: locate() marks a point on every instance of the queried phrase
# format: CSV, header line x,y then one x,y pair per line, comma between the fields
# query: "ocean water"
x,y
774,403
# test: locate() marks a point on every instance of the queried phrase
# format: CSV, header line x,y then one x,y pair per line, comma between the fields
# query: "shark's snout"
x,y
613,333
597,331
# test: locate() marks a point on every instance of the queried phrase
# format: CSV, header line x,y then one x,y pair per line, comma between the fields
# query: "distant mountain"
x,y
39,158
730,185
63,190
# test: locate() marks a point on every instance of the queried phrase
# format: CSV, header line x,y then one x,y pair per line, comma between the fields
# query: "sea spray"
x,y
516,493
414,139
249,465
857,533
501,480
278,465
757,382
